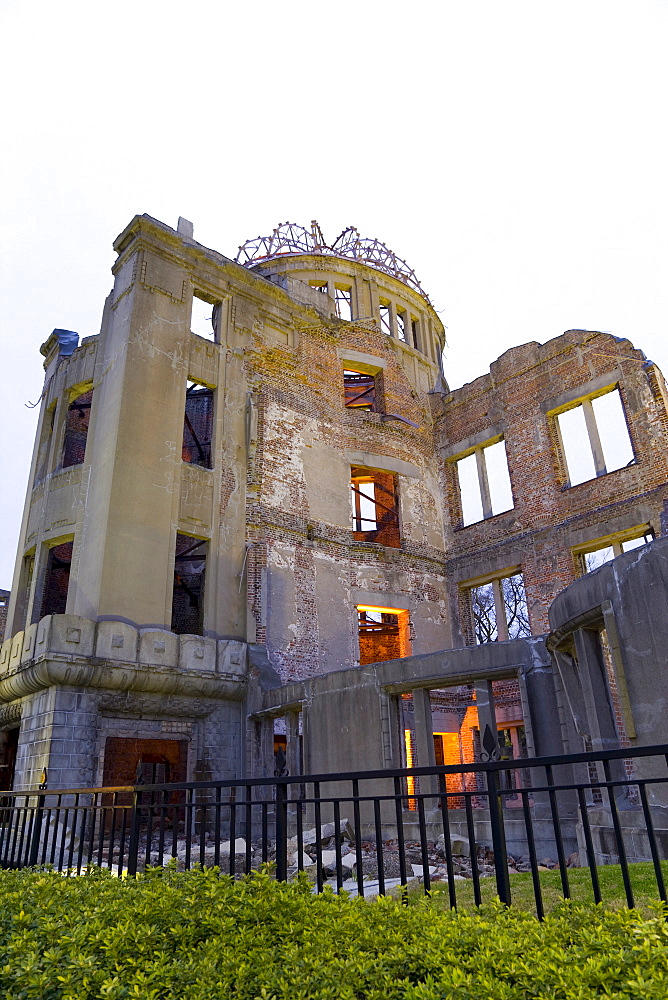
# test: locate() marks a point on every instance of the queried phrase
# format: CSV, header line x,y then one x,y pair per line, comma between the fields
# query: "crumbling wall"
x,y
551,521
305,565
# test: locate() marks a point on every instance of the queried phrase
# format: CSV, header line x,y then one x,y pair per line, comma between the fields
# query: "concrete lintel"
x,y
473,441
490,659
590,389
384,462
450,680
280,700
368,363
377,599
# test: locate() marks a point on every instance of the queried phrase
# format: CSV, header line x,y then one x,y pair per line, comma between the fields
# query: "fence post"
x,y
281,831
33,853
498,837
133,846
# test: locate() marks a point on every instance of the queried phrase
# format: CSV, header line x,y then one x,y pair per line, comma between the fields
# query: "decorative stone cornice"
x,y
112,655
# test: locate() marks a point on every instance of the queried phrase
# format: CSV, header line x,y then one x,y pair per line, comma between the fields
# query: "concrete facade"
x,y
260,533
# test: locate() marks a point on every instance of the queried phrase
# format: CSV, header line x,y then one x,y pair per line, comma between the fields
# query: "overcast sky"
x,y
512,151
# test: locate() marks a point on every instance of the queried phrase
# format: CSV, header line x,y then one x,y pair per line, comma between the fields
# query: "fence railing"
x,y
368,831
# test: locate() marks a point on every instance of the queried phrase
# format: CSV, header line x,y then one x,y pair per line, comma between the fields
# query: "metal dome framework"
x,y
290,238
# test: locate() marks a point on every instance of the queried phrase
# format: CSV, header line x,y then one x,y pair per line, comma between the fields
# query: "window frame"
x,y
614,541
194,386
496,579
387,524
598,456
483,480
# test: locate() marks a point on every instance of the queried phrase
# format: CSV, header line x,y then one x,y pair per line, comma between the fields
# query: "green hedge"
x,y
200,936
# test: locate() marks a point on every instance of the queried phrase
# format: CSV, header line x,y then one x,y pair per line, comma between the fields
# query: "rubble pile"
x,y
353,862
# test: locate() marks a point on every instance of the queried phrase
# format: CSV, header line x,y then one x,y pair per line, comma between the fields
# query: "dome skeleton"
x,y
290,238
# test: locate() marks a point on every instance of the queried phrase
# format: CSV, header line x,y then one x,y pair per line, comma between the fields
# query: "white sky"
x,y
512,151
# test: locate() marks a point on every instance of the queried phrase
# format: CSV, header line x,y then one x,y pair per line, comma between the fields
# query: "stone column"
x,y
424,740
292,754
484,700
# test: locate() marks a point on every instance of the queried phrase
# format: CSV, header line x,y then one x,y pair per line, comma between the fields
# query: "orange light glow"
x,y
385,611
410,780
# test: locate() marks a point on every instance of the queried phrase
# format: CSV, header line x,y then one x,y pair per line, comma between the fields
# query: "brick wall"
x,y
549,517
305,561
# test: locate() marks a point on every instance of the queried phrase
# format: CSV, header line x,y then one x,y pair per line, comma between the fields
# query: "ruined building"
x,y
258,521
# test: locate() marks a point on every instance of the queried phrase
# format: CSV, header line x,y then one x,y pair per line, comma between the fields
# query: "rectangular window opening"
x,y
344,302
76,430
188,593
402,325
500,610
57,579
359,390
605,552
484,483
42,466
384,634
204,317
595,438
198,425
375,507
385,318
415,331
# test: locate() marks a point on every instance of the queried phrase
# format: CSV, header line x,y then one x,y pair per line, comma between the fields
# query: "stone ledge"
x,y
68,649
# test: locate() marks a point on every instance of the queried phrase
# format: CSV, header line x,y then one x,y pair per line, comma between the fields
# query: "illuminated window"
x,y
384,633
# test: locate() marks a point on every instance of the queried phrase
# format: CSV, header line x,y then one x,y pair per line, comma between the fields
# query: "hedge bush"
x,y
200,936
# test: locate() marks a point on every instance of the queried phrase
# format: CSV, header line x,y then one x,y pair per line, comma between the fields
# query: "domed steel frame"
x,y
290,238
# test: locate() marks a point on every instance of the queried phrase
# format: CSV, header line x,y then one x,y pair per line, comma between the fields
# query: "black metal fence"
x,y
369,831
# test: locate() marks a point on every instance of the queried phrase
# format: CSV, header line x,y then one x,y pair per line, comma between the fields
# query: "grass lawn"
x,y
643,884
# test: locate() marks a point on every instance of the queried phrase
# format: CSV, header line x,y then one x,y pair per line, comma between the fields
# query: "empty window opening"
x,y
320,286
76,430
402,325
375,508
24,592
42,466
384,634
359,389
604,553
188,595
343,296
484,483
204,317
386,318
595,438
500,610
198,425
57,579
415,331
